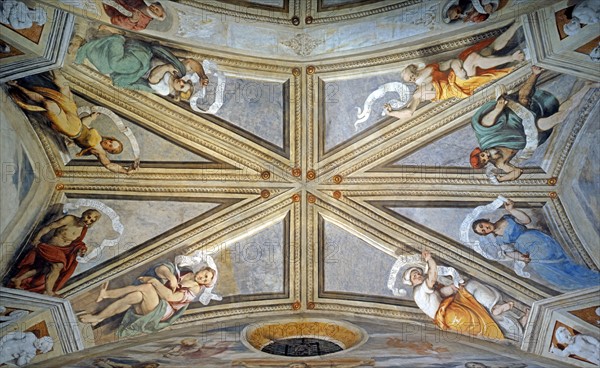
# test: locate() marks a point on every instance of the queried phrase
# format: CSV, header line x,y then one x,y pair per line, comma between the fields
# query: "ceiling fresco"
x,y
297,183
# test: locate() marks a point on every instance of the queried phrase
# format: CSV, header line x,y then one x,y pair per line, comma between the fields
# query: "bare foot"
x,y
90,318
536,70
518,56
16,281
499,309
12,83
500,104
102,293
50,293
573,100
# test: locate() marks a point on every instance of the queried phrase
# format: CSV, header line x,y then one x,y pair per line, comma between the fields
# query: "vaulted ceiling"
x,y
304,212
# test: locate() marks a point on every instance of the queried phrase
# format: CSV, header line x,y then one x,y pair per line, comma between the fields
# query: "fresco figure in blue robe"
x,y
539,250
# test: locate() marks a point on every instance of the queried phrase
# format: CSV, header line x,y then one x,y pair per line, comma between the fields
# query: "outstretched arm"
x,y
409,110
518,214
194,66
528,88
89,119
432,273
425,76
116,168
512,172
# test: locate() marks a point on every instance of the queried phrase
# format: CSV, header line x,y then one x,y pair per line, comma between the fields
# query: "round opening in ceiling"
x,y
301,347
303,338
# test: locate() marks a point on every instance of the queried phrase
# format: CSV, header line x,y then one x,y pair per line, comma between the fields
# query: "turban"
x,y
475,161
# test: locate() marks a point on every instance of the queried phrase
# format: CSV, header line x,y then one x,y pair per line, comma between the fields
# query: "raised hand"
x,y
426,255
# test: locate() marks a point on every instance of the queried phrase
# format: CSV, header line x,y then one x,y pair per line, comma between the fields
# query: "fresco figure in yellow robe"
x,y
60,109
459,77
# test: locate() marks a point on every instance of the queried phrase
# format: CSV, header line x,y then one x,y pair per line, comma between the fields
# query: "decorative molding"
x,y
295,252
183,124
53,54
209,315
312,244
158,189
412,54
549,52
462,179
346,335
238,63
298,126
195,175
49,148
310,121
381,144
302,44
356,15
193,231
395,313
338,191
457,194
582,116
568,227
246,13
63,316
544,312
451,254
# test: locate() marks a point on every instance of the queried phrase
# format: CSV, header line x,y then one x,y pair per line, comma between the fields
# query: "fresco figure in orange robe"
x,y
459,77
459,312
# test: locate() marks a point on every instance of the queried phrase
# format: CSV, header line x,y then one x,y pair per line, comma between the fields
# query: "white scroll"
x,y
86,110
210,68
105,210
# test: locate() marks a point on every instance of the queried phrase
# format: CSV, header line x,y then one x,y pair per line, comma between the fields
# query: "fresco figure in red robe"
x,y
49,265
134,15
